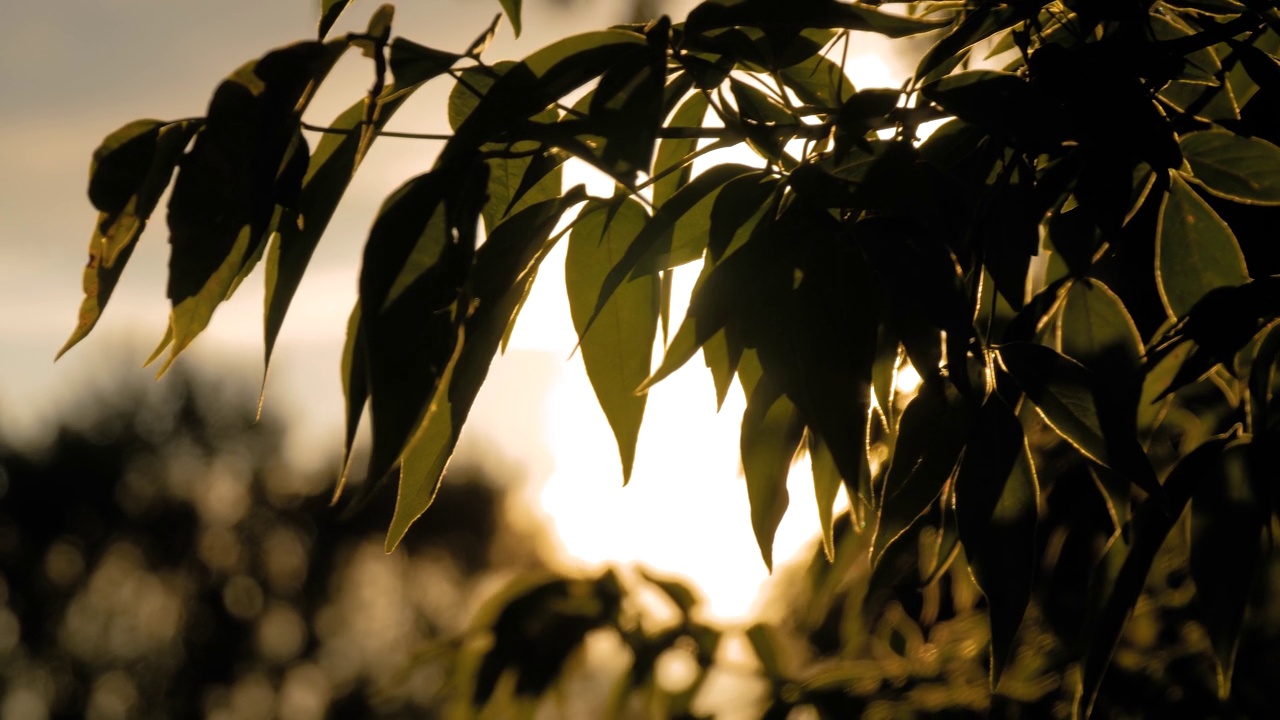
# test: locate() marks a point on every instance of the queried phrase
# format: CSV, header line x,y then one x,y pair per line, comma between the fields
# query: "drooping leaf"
x,y
355,390
1065,393
244,172
512,9
1227,524
529,175
657,231
417,263
329,12
681,593
826,486
130,169
504,266
980,23
721,357
1195,250
672,151
617,349
997,502
1150,526
527,88
931,435
332,165
626,106
1234,167
771,432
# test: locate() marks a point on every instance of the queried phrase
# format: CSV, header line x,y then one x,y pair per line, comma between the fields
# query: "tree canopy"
x,y
1079,261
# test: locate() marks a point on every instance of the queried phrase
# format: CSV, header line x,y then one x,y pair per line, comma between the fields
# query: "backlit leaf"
x,y
1195,250
243,173
504,266
1235,167
826,486
333,163
617,349
329,12
130,170
672,151
771,432
512,9
1095,329
931,435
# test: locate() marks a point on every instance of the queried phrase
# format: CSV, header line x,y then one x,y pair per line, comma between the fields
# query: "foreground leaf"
x,y
1234,167
504,267
771,434
130,169
1195,250
617,350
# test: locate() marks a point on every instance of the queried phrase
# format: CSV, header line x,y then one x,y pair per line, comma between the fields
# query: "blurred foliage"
x,y
1078,260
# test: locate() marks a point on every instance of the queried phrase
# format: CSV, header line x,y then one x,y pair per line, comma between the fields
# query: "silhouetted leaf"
x,y
650,241
1227,522
527,88
826,486
416,264
332,165
329,12
997,502
617,349
245,169
504,266
818,81
1150,526
512,9
1243,169
764,641
1195,250
680,592
980,23
1066,395
762,120
931,435
672,151
355,389
412,63
130,169
771,432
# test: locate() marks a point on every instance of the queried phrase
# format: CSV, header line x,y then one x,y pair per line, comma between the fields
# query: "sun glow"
x,y
685,510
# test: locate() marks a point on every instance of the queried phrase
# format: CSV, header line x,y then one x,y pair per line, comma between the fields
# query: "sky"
x,y
72,71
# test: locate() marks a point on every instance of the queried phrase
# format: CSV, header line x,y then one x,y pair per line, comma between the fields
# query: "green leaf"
x,y
672,152
355,390
1195,250
1227,522
657,232
130,169
1095,329
997,502
980,23
243,173
329,12
818,81
1243,169
1066,395
332,165
1149,527
617,349
762,117
771,432
529,87
512,9
412,64
930,438
504,266
721,358
417,263
626,107
826,486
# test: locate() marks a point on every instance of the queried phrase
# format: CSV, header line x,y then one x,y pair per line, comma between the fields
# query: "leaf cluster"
x,y
1079,247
